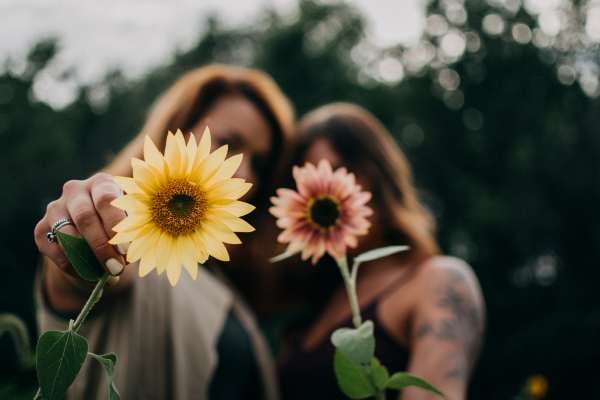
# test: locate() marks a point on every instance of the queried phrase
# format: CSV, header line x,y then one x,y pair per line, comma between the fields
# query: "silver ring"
x,y
62,222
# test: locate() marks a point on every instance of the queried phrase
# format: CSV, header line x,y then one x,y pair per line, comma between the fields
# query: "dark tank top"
x,y
308,374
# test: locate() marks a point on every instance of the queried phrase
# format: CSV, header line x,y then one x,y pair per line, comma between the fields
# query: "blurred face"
x,y
235,121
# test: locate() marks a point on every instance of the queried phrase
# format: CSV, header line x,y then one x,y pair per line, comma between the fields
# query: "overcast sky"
x,y
135,35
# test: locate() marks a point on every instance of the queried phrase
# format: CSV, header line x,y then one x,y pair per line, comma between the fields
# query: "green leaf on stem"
x,y
379,374
59,357
379,253
357,343
109,362
353,378
81,257
401,380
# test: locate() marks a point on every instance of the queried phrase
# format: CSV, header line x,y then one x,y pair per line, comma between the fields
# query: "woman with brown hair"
x,y
196,340
427,309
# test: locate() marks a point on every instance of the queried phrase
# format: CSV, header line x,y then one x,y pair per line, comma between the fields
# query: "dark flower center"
x,y
181,204
178,208
324,212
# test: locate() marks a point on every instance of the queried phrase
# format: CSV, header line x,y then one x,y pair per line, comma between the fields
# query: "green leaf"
x,y
379,253
109,362
356,343
81,257
379,374
59,357
401,380
352,378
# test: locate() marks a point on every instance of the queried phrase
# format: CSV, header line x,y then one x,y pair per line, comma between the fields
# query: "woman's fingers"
x,y
82,211
104,190
51,250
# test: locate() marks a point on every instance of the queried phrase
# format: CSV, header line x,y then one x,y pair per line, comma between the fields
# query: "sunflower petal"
x,y
146,177
231,189
203,171
238,208
132,222
151,154
203,146
226,170
189,256
214,247
131,202
147,264
127,184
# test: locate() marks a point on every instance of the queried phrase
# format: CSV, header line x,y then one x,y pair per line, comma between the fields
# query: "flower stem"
x,y
350,285
90,303
83,314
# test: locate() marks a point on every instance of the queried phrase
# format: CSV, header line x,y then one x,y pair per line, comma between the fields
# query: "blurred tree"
x,y
498,117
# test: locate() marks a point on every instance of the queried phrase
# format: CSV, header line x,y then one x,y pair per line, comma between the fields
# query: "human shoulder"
x,y
445,271
451,305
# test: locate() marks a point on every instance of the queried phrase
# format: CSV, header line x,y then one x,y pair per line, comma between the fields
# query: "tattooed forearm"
x,y
459,320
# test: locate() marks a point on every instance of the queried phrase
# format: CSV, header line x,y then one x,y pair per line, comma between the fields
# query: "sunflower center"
x,y
178,207
324,212
181,204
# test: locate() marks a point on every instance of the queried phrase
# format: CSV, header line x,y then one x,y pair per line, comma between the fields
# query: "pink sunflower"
x,y
326,214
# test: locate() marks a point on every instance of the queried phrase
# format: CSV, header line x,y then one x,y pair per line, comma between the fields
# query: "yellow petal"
x,y
126,236
145,241
147,264
131,202
192,148
210,165
214,247
231,189
238,225
237,208
221,232
172,155
127,184
226,170
204,145
183,153
200,247
234,223
151,154
132,222
189,256
164,248
173,273
146,177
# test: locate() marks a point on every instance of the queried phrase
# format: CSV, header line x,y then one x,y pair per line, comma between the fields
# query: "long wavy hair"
x,y
192,96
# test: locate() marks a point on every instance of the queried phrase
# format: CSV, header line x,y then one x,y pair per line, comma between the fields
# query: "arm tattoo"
x,y
462,324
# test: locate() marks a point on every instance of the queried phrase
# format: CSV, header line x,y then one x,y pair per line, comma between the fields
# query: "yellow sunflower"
x,y
181,206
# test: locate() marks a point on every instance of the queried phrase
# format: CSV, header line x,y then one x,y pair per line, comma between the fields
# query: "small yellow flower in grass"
x,y
537,386
326,214
181,206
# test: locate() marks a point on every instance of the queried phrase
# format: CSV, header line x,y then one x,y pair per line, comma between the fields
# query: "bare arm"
x,y
447,329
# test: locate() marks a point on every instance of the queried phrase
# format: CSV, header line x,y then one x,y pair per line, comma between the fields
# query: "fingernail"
x,y
123,247
113,280
114,266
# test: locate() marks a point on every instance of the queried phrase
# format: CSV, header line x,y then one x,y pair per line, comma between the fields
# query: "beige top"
x,y
165,339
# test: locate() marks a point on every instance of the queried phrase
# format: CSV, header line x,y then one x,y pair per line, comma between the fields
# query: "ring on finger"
x,y
62,222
